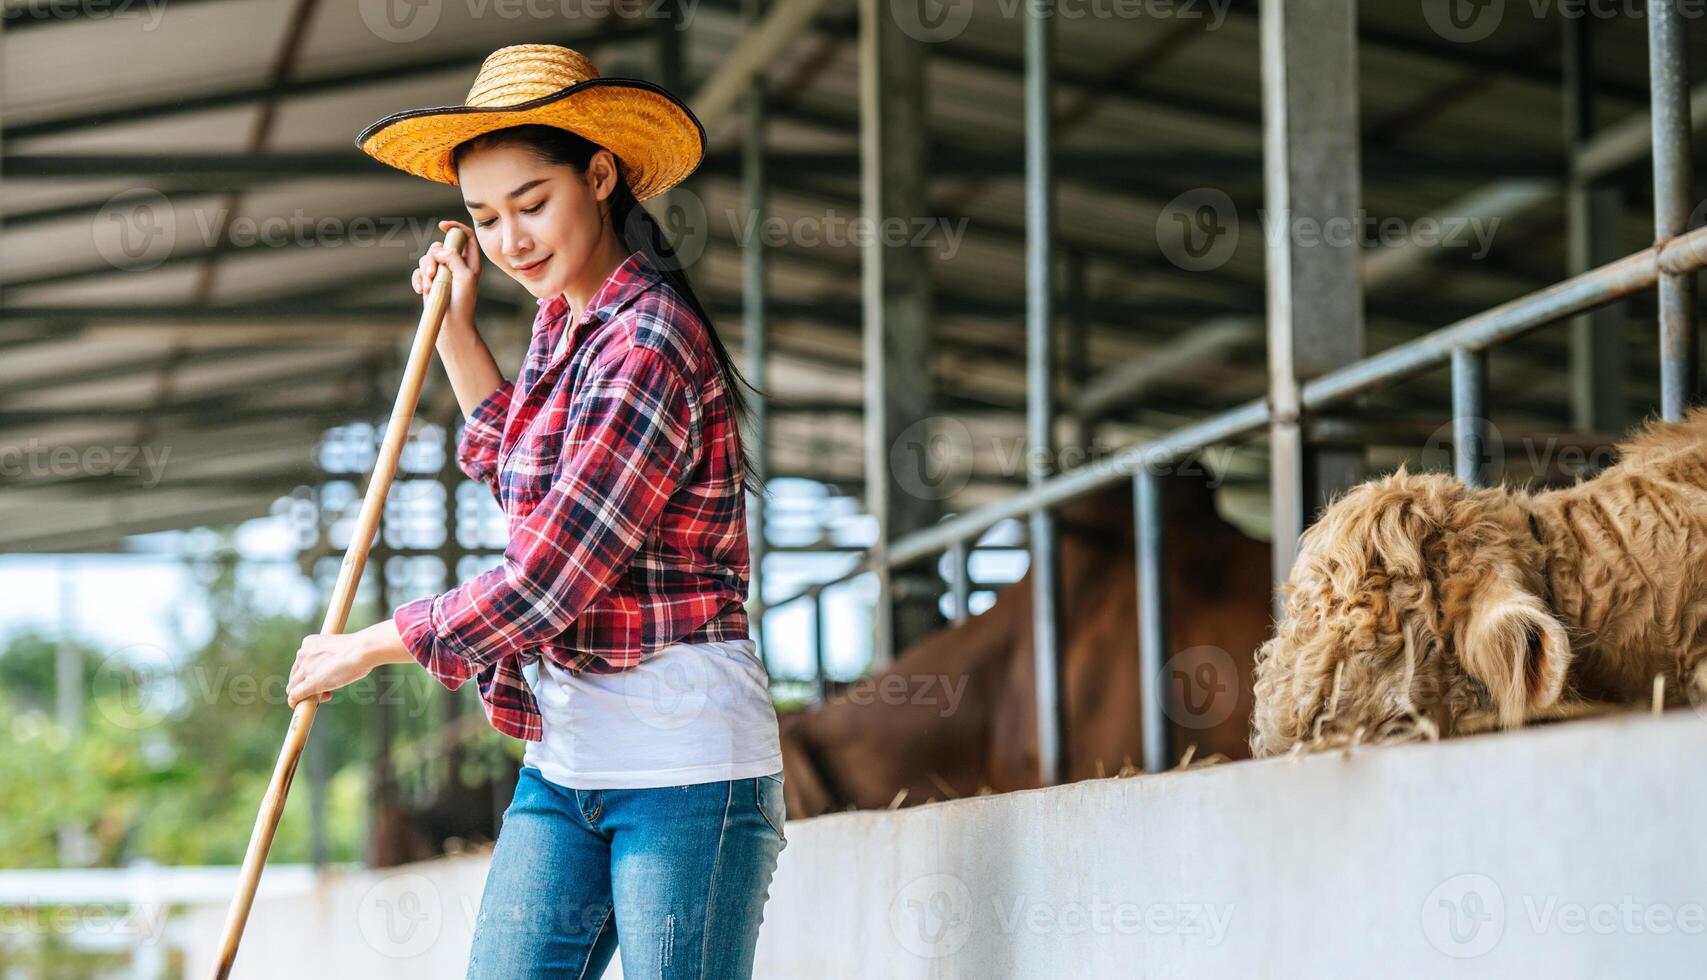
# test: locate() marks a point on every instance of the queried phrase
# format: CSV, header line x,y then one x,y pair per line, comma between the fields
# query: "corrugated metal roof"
x,y
1175,104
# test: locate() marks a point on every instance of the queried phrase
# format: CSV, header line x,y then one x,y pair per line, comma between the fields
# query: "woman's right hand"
x,y
464,275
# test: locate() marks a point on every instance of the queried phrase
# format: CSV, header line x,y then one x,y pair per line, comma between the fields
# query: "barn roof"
x,y
196,256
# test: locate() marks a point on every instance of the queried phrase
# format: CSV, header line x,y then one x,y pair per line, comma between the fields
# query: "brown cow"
x,y
956,713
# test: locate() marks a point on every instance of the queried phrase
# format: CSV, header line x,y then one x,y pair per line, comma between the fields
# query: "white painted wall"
x,y
1573,851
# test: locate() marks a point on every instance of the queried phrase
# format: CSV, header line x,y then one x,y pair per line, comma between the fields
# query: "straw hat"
x,y
653,134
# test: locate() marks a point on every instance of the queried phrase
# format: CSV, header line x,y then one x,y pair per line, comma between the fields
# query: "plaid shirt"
x,y
616,461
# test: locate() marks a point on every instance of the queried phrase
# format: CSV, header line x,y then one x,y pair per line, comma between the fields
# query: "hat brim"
x,y
656,137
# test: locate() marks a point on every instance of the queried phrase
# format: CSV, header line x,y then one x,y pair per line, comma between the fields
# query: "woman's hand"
x,y
326,662
464,275
473,372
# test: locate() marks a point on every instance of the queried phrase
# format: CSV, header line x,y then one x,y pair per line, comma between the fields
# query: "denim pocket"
x,y
767,796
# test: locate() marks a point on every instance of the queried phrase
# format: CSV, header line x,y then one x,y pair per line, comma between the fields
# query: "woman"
x,y
649,803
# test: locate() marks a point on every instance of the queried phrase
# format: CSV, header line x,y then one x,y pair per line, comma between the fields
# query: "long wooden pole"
x,y
343,596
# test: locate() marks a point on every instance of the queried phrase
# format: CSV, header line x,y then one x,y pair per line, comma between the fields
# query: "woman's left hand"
x,y
326,662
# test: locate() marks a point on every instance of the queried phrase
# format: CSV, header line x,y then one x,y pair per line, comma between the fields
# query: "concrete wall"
x,y
1573,851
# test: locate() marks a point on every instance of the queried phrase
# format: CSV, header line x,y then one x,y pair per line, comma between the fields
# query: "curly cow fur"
x,y
1419,601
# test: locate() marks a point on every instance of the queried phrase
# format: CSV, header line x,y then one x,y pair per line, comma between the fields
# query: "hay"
x,y
1189,761
1419,729
942,784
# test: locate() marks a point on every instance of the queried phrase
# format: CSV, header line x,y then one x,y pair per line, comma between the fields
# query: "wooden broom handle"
x,y
343,596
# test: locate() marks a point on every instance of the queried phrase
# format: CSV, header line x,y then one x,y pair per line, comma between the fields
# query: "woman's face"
x,y
539,223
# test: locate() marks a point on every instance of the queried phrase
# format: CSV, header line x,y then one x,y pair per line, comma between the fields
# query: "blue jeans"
x,y
678,874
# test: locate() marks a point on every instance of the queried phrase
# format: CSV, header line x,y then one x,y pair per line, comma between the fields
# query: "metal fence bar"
x,y
1040,389
1154,730
895,307
1599,361
1316,95
754,346
1489,328
1232,424
820,641
1469,415
1314,297
960,581
1669,82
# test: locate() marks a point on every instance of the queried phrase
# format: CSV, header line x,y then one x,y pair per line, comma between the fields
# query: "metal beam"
x,y
280,312
1041,448
1470,460
1668,77
244,171
754,332
108,521
610,32
1315,300
960,581
896,300
1592,208
759,49
1156,708
949,162
48,13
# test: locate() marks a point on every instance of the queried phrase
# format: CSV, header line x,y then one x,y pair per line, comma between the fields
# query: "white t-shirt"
x,y
690,713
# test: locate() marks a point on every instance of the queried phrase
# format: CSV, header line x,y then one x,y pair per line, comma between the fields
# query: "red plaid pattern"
x,y
617,464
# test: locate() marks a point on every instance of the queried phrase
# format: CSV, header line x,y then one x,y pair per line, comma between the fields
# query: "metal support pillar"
x,y
319,846
317,762
667,49
449,703
960,581
895,280
820,643
1078,356
753,335
1310,188
1668,79
1599,362
383,775
1155,732
1040,389
74,841
1470,415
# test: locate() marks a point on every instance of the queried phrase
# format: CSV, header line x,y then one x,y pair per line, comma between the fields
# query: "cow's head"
x,y
1415,600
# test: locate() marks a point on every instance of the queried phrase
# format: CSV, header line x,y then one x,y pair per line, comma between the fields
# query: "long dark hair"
x,y
638,231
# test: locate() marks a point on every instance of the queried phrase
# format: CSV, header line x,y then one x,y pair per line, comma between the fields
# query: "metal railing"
x,y
1667,265
1463,344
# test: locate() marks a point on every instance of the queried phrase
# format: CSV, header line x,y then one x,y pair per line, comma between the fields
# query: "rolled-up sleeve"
x,y
634,438
414,624
482,433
